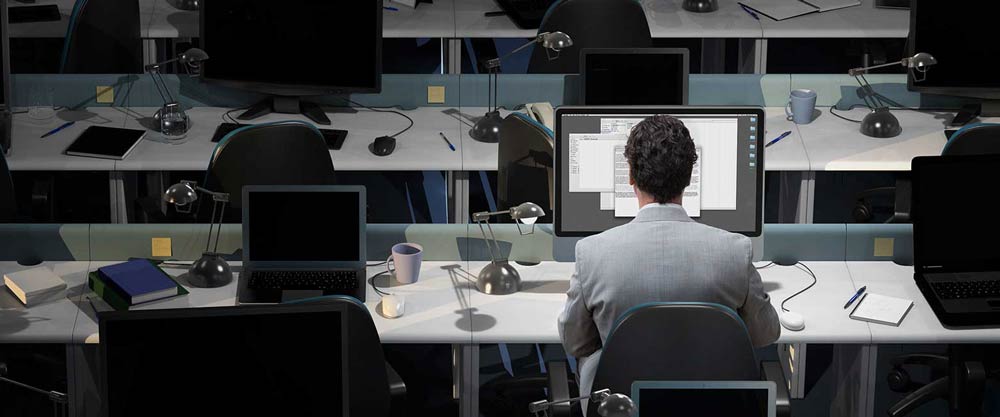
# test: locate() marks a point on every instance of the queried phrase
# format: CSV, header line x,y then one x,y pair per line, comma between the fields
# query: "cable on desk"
x,y
800,265
386,110
768,265
842,117
229,114
372,282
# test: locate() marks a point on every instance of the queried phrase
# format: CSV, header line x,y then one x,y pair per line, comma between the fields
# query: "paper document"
x,y
827,5
591,161
692,194
881,309
608,201
780,9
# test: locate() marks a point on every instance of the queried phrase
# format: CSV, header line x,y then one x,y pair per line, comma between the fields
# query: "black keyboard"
x,y
957,290
334,137
526,14
304,280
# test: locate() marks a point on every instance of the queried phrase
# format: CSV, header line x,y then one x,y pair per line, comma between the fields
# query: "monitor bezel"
x,y
683,52
181,313
291,88
987,93
769,386
672,110
304,265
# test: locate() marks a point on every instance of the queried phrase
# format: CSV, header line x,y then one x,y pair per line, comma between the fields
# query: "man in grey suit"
x,y
661,255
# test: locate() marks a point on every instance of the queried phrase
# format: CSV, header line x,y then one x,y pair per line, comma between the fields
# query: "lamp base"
x,y
701,6
881,123
210,271
499,278
487,128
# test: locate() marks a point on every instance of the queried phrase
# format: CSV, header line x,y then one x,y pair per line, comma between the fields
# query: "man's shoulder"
x,y
693,231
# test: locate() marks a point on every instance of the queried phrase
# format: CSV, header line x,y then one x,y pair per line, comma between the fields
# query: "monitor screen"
x,y
703,402
239,361
593,193
634,77
319,46
951,207
957,37
323,225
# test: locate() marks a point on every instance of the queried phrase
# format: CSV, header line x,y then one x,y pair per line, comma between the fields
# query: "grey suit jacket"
x,y
662,255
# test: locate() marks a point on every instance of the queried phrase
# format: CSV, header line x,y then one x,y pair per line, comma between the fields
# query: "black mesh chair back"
x,y
103,37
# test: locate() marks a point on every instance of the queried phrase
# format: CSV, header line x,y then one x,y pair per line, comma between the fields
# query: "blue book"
x,y
138,281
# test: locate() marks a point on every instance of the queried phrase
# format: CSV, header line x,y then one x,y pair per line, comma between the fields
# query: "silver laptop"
x,y
705,398
302,242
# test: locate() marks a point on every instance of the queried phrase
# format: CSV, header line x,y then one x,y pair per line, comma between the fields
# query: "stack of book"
x,y
134,282
35,286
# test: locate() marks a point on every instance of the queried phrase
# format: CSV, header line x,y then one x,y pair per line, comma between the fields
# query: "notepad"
x,y
106,142
881,309
827,5
787,9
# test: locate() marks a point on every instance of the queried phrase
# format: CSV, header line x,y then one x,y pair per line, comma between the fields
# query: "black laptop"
x,y
956,227
302,242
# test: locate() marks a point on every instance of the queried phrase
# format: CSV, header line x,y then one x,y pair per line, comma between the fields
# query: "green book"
x,y
113,297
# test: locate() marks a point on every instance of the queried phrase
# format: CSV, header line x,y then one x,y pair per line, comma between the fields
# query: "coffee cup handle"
x,y
387,269
788,110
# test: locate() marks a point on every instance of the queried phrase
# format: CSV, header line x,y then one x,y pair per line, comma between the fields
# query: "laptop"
x,y
302,241
705,398
955,229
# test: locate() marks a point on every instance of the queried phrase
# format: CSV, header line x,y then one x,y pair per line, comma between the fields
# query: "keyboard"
x,y
526,14
341,281
334,137
957,290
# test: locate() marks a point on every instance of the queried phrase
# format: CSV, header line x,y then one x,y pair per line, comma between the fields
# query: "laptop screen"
x,y
954,208
705,398
304,224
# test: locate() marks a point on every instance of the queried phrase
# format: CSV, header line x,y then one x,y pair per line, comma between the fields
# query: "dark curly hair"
x,y
661,155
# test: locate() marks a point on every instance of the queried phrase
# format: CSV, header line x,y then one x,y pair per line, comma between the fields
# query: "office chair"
x,y
959,378
974,139
525,164
42,205
103,37
681,342
586,21
8,204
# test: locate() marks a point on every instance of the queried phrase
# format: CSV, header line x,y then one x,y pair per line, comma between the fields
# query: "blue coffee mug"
x,y
801,104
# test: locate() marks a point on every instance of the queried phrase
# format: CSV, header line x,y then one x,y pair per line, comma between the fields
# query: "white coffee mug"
x,y
406,257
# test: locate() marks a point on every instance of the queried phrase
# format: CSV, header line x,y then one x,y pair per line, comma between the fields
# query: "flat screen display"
x,y
959,38
325,46
313,226
635,77
219,361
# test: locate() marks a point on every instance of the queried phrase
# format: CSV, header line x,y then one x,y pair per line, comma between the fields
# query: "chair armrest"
x,y
397,391
771,370
559,388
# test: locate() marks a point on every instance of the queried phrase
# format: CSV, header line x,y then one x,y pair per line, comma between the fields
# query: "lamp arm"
x,y
483,215
157,82
495,62
493,256
224,197
156,66
864,70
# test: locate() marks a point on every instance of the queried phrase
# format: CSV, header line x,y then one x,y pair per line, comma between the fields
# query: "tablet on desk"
x,y
105,142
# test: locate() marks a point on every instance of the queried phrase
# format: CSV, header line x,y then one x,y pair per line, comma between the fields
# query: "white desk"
x,y
29,152
50,322
864,21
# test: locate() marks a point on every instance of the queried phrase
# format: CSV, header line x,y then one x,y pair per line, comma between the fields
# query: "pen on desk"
x,y
783,135
752,14
494,14
390,8
447,141
54,131
855,297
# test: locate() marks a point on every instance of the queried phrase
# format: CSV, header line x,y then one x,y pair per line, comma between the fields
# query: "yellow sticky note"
x,y
162,247
883,246
435,94
105,94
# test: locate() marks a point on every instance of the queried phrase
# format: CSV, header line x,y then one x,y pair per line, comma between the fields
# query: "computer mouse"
x,y
383,145
791,320
393,305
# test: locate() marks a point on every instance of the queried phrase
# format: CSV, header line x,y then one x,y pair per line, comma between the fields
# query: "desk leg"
x,y
760,56
855,367
453,54
116,184
458,197
465,365
796,197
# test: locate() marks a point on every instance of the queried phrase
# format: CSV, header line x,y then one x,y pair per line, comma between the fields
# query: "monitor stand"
x,y
969,112
290,105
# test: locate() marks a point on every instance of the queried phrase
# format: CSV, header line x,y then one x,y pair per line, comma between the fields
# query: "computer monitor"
x,y
634,76
593,194
705,398
321,226
238,361
959,37
293,48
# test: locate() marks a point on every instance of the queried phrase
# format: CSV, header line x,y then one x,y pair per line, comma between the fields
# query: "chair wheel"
x,y
899,380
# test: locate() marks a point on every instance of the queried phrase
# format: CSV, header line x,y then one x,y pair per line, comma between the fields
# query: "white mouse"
x,y
791,320
393,306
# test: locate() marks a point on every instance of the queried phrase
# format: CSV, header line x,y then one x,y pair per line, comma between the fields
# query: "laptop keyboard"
x,y
304,280
957,290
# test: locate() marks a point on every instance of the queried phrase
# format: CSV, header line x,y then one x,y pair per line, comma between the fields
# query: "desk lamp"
x,y
211,270
171,118
500,277
609,405
881,123
487,128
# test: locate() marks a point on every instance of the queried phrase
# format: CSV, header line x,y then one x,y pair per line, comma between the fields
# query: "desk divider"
x,y
31,243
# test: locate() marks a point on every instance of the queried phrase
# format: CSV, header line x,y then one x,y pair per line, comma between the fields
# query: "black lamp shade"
x,y
180,194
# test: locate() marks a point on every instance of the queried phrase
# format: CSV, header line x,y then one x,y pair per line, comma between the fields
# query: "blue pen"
x,y
855,297
447,141
783,135
747,9
54,131
391,9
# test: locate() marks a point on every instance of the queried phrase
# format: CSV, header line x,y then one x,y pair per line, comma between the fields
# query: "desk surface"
x,y
864,21
51,322
29,152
